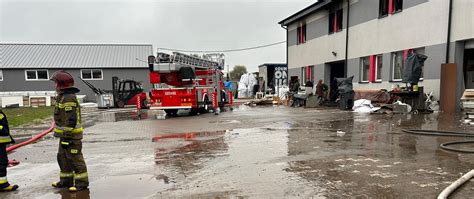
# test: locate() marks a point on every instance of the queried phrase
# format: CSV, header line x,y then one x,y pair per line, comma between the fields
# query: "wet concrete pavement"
x,y
254,152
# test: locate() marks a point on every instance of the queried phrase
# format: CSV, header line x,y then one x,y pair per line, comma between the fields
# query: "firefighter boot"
x,y
9,188
59,185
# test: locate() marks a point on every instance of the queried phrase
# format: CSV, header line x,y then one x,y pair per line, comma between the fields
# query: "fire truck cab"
x,y
182,81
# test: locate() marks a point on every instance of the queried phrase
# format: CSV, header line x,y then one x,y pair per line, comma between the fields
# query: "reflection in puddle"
x,y
128,186
186,152
241,163
65,194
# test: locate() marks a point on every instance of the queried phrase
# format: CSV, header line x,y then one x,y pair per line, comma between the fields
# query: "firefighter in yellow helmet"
x,y
5,139
67,116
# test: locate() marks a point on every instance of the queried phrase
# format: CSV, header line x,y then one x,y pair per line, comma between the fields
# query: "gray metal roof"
x,y
14,56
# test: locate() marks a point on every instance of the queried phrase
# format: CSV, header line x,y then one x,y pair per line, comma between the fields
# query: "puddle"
x,y
234,161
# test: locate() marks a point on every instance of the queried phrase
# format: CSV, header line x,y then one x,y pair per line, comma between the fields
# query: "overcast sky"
x,y
178,24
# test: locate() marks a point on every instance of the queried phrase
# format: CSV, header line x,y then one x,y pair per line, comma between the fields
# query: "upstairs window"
x,y
383,8
91,74
335,21
1,75
31,75
301,34
387,7
397,6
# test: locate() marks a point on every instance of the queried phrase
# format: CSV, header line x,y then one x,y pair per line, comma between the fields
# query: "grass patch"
x,y
20,116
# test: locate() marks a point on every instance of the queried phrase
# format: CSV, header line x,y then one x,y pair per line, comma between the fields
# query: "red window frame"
x,y
393,6
373,69
335,21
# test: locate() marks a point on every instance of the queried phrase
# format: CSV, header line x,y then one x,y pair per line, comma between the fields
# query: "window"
x,y
301,34
378,69
397,65
397,6
371,68
338,20
335,21
387,7
1,75
364,69
32,75
331,23
303,76
307,74
383,8
91,74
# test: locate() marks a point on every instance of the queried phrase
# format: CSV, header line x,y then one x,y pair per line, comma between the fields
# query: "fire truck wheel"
x,y
171,111
193,111
120,104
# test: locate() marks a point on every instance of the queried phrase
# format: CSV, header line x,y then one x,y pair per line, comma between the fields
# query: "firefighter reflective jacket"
x,y
5,137
67,116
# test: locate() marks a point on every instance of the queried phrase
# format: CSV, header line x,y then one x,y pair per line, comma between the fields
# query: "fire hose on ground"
x,y
33,139
466,177
456,184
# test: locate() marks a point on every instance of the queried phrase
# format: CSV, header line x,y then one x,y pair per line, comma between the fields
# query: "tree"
x,y
237,71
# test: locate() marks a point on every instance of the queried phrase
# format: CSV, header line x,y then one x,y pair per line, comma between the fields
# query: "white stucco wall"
x,y
463,20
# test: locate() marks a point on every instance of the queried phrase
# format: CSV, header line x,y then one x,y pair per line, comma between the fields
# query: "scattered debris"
x,y
468,99
340,133
364,106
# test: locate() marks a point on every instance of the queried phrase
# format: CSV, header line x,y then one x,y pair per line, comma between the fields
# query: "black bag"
x,y
413,68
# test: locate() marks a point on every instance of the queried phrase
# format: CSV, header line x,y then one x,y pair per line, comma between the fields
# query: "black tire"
x,y
171,111
120,104
193,111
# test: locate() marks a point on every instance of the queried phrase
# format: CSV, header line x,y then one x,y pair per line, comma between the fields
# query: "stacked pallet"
x,y
467,100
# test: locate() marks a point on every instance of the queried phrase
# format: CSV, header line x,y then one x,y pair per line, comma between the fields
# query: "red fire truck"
x,y
183,81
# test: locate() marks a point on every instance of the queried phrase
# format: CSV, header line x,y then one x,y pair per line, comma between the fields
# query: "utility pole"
x,y
228,75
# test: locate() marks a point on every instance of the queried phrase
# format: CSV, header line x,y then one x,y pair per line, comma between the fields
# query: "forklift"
x,y
124,92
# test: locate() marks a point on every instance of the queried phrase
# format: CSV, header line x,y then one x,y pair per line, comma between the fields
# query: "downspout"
x,y
286,28
347,38
449,29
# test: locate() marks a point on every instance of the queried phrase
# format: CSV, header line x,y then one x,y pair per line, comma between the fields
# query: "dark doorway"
x,y
336,70
469,68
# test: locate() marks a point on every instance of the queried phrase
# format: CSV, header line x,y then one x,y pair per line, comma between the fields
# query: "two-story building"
x,y
369,39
